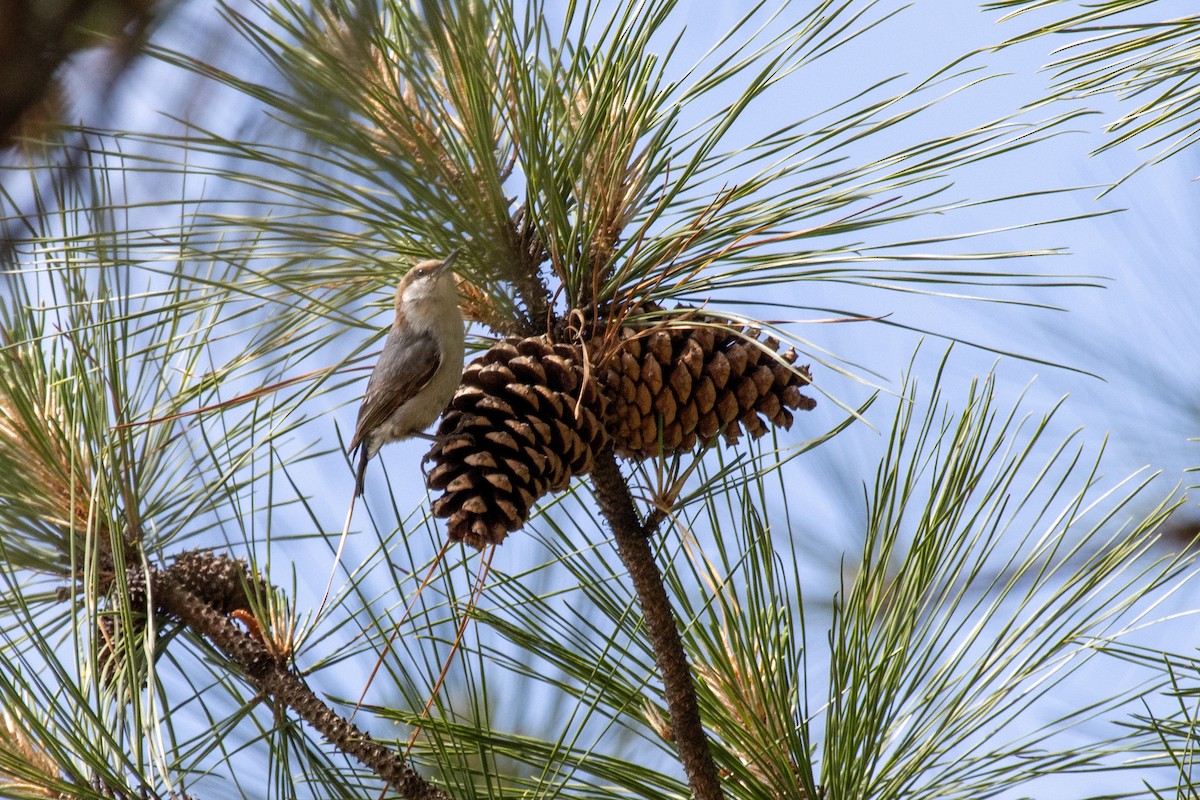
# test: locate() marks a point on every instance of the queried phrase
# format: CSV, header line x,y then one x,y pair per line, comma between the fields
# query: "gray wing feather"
x,y
394,380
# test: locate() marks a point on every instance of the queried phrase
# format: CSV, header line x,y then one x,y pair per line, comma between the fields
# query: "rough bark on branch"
x,y
633,544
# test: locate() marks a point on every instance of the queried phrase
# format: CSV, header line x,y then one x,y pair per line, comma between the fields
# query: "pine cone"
x,y
674,388
525,420
218,580
530,415
111,650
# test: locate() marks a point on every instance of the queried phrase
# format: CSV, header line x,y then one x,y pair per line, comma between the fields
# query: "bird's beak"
x,y
448,262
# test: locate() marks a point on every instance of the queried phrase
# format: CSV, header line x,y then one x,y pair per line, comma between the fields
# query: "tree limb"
x,y
272,676
633,544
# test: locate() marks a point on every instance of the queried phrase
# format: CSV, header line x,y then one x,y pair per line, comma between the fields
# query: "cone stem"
x,y
633,545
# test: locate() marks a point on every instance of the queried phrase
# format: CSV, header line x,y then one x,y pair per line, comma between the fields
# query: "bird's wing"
x,y
394,381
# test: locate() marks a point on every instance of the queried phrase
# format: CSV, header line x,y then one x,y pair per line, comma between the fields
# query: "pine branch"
x,y
633,544
271,675
530,252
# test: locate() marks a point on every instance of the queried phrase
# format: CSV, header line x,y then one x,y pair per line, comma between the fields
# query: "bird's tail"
x,y
364,455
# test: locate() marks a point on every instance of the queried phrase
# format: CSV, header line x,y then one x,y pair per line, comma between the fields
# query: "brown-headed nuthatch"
x,y
420,366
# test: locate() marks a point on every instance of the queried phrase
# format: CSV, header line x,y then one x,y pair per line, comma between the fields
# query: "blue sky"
x,y
1136,336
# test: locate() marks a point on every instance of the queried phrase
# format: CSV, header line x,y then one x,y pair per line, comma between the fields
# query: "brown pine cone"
x,y
524,422
673,388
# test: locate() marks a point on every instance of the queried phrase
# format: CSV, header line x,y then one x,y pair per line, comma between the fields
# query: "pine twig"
x,y
271,676
633,544
530,252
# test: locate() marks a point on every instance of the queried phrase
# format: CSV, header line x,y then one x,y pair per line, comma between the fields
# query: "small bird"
x,y
420,366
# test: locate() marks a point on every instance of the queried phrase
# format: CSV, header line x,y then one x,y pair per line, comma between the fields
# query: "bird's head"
x,y
429,283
